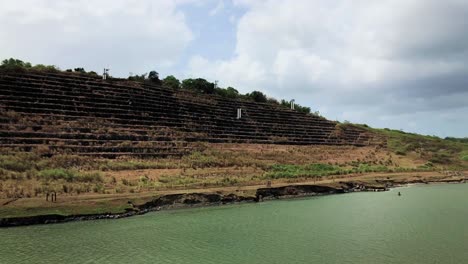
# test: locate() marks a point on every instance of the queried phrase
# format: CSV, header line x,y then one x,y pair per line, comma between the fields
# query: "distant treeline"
x,y
203,86
198,85
461,140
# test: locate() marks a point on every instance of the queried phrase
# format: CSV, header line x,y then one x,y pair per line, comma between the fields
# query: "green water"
x,y
427,224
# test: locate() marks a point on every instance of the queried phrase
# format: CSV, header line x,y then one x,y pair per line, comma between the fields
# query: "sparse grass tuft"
x,y
70,175
119,165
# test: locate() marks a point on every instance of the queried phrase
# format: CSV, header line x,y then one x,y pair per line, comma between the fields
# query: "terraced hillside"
x,y
108,146
68,113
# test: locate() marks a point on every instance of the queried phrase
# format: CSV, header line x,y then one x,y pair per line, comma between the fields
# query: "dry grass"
x,y
219,165
117,203
26,178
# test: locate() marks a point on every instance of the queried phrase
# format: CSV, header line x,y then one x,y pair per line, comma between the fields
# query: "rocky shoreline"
x,y
189,200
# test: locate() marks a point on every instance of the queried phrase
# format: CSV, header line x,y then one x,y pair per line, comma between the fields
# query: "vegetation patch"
x,y
321,170
19,163
296,171
443,151
70,175
118,165
464,155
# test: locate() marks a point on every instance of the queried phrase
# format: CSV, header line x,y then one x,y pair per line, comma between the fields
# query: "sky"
x,y
400,64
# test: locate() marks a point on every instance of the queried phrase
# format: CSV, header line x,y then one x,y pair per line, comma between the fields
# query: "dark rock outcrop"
x,y
296,190
163,202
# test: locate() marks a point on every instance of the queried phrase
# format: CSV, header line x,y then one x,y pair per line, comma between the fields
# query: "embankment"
x,y
184,200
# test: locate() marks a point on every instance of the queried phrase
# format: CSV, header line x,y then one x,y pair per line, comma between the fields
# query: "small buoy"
x,y
399,194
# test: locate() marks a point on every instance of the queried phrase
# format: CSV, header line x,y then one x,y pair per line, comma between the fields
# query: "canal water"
x,y
426,224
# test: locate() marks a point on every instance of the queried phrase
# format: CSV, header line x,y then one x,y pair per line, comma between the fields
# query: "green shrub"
x,y
90,177
321,170
427,166
201,160
400,152
58,174
464,155
295,171
46,68
99,188
440,158
20,163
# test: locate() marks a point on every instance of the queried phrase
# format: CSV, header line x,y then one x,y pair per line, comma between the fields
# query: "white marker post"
x,y
105,73
239,113
292,104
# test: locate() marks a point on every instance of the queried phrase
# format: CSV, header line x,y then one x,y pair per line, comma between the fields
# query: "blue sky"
x,y
401,64
214,27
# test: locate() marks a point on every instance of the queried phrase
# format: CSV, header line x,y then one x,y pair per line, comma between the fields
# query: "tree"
x,y
304,109
199,85
285,103
138,78
153,76
257,96
42,67
171,82
80,70
19,65
228,92
188,84
297,107
272,100
15,64
231,92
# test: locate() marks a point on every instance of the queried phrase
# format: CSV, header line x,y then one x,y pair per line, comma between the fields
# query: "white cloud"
x,y
354,60
293,64
125,35
218,8
331,53
248,74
